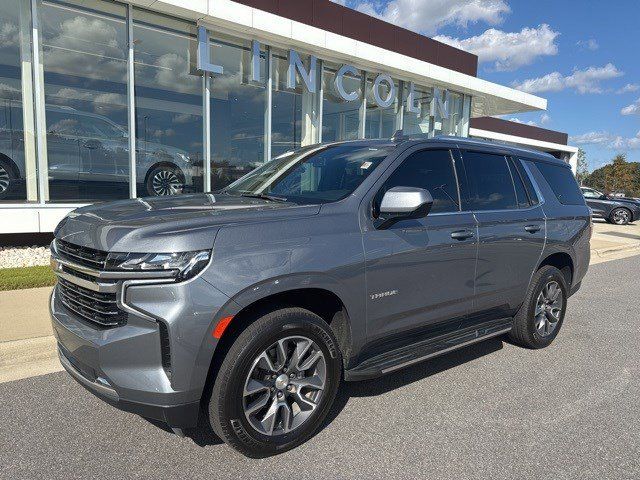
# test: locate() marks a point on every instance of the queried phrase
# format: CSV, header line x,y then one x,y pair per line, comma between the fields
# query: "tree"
x,y
582,170
618,176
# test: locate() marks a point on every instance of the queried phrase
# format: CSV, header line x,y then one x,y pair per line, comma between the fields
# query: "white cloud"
x,y
429,16
583,81
545,118
590,44
87,47
509,50
629,87
530,122
633,109
608,140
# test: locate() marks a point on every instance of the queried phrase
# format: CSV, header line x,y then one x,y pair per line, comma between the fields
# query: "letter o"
x,y
384,103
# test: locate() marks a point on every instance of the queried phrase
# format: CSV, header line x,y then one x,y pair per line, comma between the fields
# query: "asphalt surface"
x,y
492,410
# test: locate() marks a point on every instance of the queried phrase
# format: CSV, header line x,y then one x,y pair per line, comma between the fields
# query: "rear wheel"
x,y
165,180
538,321
620,216
276,383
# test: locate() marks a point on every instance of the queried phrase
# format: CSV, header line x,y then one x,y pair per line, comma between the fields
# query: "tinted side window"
x,y
562,182
527,181
430,169
490,183
521,194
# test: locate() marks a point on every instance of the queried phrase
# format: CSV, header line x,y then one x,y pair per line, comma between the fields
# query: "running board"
x,y
403,357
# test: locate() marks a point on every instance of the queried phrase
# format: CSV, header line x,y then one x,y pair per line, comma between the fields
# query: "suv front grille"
x,y
98,308
86,256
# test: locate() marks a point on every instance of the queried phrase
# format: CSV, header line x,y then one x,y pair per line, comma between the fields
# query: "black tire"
x,y
525,332
8,179
226,411
171,173
620,216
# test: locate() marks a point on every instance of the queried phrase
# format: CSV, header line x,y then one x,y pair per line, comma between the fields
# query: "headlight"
x,y
183,157
185,264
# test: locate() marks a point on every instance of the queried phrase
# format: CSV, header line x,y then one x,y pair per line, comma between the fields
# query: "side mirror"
x,y
400,203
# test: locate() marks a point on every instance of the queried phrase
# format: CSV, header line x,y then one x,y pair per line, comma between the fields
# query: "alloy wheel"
x,y
549,307
621,216
4,179
284,386
166,182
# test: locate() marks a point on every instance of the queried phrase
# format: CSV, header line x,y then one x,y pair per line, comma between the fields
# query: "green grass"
x,y
27,277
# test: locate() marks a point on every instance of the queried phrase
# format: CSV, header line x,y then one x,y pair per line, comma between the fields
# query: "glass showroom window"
x,y
417,123
381,122
84,56
18,181
340,117
168,99
294,112
453,124
237,108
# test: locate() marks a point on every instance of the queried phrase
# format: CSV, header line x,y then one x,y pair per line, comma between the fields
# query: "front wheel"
x,y
7,179
276,383
540,317
620,216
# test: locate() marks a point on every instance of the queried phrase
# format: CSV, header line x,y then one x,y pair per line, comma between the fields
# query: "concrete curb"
x,y
27,358
603,252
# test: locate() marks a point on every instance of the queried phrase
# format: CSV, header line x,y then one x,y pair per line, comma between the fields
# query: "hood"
x,y
168,224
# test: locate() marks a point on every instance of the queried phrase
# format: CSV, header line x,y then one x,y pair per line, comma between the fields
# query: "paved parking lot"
x,y
489,411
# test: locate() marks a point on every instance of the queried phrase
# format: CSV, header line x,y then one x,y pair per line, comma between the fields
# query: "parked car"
x,y
87,147
345,261
618,210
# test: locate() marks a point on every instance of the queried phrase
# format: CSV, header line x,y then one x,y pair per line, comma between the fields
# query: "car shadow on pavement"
x,y
203,435
409,375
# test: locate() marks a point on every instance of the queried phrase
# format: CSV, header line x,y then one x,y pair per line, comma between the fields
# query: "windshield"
x,y
312,175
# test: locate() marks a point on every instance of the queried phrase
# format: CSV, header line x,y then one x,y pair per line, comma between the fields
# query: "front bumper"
x,y
125,365
176,416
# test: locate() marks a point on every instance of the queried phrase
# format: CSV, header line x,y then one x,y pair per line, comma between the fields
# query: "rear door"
x,y
511,230
419,273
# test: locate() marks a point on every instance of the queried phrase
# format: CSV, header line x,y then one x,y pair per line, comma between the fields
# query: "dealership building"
x,y
105,100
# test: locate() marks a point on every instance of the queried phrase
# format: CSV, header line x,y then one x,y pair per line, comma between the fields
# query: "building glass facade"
x,y
18,179
341,119
168,106
104,101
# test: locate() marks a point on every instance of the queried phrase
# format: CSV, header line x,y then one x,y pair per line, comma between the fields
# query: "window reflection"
x,y
294,117
168,99
381,122
17,150
84,51
340,118
418,123
237,108
453,124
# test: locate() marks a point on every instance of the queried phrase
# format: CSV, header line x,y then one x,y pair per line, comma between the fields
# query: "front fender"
x,y
265,289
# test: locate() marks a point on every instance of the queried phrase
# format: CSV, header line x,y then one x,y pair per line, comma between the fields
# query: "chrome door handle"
x,y
462,234
532,228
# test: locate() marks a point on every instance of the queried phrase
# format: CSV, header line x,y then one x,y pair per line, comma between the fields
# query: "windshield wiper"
x,y
264,196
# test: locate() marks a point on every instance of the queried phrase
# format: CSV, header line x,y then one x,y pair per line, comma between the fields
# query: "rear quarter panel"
x,y
568,227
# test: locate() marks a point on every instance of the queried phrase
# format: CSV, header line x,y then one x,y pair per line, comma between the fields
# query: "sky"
x,y
582,56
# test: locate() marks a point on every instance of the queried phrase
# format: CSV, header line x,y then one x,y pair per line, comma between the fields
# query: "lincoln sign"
x,y
384,89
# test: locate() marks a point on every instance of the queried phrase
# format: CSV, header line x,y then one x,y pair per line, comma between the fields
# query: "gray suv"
x,y
345,261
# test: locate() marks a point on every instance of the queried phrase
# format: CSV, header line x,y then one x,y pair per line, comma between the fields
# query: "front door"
x,y
597,202
511,232
419,273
